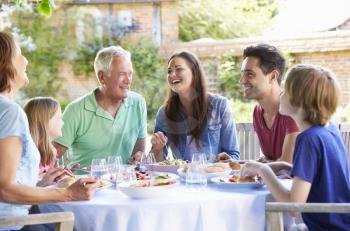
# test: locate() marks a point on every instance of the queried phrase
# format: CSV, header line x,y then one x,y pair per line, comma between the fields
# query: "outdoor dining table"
x,y
211,208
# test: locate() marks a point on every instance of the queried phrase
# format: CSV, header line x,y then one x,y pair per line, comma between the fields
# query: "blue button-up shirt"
x,y
218,135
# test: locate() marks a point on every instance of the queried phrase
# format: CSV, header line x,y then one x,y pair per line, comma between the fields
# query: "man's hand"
x,y
223,157
136,157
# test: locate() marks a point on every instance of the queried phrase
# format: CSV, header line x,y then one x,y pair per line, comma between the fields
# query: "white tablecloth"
x,y
182,209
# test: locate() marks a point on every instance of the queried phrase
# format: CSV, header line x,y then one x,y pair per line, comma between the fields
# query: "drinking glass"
x,y
195,178
113,165
126,173
64,160
98,168
199,159
145,160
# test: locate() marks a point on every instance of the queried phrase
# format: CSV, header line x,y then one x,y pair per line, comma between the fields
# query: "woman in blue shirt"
x,y
320,170
192,120
19,157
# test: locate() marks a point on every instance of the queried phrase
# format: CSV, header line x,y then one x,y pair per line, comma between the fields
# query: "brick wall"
x,y
143,16
169,22
338,62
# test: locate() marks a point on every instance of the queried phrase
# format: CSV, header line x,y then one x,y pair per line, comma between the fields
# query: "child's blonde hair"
x,y
315,89
39,111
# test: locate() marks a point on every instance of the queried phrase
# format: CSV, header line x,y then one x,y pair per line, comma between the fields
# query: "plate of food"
x,y
164,175
167,166
235,181
210,170
147,188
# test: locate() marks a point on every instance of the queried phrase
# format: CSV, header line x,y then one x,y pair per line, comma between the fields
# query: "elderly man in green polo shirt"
x,y
110,120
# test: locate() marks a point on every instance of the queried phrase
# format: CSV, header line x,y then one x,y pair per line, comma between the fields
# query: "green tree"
x,y
44,7
150,76
222,19
45,53
83,61
229,75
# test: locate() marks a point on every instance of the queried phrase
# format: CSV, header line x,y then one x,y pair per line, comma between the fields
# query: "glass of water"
x,y
98,168
64,160
199,159
195,178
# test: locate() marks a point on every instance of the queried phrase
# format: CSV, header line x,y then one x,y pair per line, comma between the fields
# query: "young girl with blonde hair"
x,y
45,123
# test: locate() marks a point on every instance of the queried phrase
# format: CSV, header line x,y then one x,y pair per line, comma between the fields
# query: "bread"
x,y
223,165
217,167
212,169
66,182
103,183
235,165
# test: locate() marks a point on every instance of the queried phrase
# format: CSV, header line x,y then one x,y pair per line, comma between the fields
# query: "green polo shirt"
x,y
90,132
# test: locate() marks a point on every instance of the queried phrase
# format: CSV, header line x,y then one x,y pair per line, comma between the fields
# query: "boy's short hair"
x,y
315,89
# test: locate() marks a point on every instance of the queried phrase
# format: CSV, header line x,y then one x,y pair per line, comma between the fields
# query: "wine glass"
x,y
113,165
126,173
64,160
98,168
148,158
199,158
199,161
145,161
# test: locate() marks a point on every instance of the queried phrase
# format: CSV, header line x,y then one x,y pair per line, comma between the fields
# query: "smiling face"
x,y
253,80
20,64
56,124
116,83
179,75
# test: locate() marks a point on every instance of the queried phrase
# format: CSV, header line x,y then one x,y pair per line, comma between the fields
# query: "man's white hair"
x,y
104,57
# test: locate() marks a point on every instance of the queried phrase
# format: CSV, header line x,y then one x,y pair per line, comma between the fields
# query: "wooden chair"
x,y
248,142
345,132
64,220
274,211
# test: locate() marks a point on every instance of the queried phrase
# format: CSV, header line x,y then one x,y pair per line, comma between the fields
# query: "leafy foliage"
x,y
83,62
46,54
224,18
44,8
149,77
229,75
242,111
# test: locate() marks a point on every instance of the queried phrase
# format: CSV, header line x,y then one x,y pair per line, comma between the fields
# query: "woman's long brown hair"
x,y
200,103
7,52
